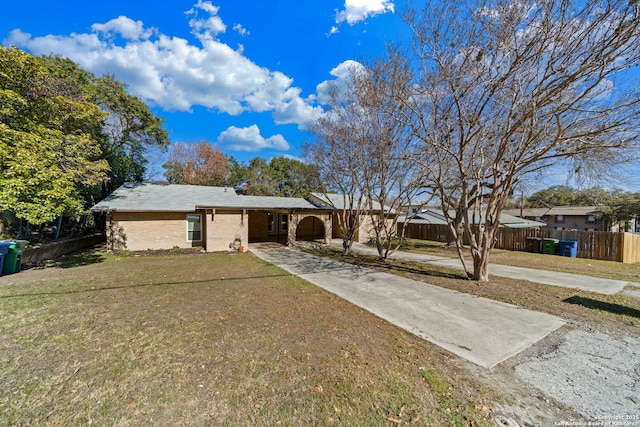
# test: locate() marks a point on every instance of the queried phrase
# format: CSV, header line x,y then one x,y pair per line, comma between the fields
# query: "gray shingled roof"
x,y
262,202
558,210
435,216
136,197
331,200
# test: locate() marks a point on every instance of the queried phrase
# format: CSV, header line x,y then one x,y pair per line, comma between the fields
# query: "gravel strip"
x,y
596,373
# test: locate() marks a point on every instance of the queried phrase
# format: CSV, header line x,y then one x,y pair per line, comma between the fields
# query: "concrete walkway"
x,y
480,330
554,278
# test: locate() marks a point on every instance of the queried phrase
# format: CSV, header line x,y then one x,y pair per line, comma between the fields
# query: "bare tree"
x,y
506,88
367,154
337,152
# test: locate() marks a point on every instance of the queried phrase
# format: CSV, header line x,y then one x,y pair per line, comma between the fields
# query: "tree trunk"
x,y
457,235
484,243
481,267
58,226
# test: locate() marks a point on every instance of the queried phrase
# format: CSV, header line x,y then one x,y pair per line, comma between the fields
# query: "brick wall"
x,y
223,229
139,231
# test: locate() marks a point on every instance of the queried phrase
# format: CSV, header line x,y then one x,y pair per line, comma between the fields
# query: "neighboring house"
x,y
436,216
148,216
582,218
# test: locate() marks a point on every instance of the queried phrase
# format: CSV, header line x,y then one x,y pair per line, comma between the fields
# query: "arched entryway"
x,y
309,227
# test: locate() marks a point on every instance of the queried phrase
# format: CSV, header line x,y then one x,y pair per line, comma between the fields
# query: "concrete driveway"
x,y
481,330
554,278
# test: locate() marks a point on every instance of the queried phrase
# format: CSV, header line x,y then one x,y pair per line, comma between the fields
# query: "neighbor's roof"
x,y
137,197
515,222
435,216
558,210
337,201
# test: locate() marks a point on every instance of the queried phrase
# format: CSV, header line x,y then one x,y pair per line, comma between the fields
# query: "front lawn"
x,y
212,339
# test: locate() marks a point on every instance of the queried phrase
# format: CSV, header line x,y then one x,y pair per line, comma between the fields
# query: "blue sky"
x,y
249,76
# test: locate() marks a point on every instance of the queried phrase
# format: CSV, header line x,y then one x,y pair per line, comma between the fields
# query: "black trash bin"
x,y
533,244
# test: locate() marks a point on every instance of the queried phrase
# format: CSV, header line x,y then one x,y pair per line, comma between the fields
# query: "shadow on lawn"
x,y
604,306
141,285
412,269
70,260
77,259
391,265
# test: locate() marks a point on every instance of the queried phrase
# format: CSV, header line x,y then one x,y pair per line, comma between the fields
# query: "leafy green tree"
x,y
130,127
261,180
562,195
281,176
598,196
238,172
294,178
557,195
50,140
622,208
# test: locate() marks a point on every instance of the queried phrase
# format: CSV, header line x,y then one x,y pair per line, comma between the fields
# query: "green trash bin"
x,y
13,258
4,250
550,246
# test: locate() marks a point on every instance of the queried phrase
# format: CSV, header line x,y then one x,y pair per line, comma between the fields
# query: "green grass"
x,y
217,339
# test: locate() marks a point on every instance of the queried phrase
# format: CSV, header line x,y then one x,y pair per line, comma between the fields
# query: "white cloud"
x,y
250,139
359,10
125,27
241,30
342,76
175,74
208,26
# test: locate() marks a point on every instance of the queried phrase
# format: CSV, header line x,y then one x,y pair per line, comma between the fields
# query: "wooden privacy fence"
x,y
604,245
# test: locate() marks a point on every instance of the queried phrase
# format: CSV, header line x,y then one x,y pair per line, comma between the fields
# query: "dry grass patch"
x,y
212,339
589,267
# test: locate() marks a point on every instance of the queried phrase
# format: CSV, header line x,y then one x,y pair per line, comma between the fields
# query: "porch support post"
x,y
294,220
328,228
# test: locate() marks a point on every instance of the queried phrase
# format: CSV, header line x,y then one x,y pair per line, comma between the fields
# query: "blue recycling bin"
x,y
4,249
568,248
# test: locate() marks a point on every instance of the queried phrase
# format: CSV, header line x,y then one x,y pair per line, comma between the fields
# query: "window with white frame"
x,y
284,222
591,219
560,218
194,228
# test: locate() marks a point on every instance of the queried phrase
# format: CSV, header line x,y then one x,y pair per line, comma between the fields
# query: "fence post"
x,y
629,248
